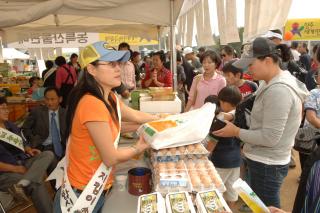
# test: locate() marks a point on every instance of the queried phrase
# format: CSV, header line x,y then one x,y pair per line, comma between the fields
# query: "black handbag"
x,y
305,140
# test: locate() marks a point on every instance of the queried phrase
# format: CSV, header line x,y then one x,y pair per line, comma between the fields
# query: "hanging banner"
x,y
302,30
187,5
63,40
76,40
115,39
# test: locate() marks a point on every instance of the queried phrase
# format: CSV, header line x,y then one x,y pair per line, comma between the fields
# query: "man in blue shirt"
x,y
45,127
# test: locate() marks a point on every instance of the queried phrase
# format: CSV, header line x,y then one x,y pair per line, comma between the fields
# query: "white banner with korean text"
x,y
55,40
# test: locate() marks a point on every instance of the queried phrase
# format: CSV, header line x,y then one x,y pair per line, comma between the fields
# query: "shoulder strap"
x,y
252,85
48,73
283,83
303,118
69,75
197,79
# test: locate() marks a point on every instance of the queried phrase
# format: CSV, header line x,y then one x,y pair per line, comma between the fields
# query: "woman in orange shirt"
x,y
93,122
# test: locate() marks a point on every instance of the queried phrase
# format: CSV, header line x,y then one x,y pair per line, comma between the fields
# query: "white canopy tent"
x,y
259,17
72,23
264,15
22,19
12,53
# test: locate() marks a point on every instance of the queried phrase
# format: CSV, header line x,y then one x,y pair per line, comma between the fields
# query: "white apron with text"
x,y
89,197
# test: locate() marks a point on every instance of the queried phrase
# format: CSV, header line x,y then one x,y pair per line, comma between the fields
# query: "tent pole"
x,y
1,51
173,57
159,38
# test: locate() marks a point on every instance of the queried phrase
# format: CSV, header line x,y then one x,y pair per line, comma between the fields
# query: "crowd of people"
x,y
81,119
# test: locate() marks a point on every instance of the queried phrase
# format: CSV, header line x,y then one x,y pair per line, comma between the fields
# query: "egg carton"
x,y
168,189
192,175
179,202
171,177
179,153
172,182
211,201
171,173
204,176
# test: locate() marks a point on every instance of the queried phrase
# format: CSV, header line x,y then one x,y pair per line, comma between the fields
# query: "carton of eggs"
x,y
180,153
203,175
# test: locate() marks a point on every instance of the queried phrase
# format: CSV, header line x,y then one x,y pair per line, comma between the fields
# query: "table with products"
x,y
181,169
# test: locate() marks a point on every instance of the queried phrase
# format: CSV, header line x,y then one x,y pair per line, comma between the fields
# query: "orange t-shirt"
x,y
84,158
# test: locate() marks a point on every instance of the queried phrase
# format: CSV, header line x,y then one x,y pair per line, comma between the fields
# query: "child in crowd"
x,y
34,84
226,151
234,76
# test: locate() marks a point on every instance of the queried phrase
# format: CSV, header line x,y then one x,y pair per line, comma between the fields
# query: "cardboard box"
x,y
179,202
211,201
172,107
151,203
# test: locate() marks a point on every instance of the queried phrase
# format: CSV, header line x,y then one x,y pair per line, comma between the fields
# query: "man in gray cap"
x,y
275,119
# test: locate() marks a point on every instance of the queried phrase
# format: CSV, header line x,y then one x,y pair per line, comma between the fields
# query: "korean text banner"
x,y
115,39
302,29
64,40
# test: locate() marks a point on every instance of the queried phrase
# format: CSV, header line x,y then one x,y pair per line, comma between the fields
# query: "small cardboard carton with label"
x,y
179,202
211,202
151,203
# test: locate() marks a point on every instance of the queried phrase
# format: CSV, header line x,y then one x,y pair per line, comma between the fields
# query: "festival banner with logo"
x,y
302,30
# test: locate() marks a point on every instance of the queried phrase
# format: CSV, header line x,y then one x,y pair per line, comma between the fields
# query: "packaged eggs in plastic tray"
x,y
204,176
179,153
171,176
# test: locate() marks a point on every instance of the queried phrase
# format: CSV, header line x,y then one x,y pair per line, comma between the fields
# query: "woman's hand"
x,y
276,210
230,130
142,145
162,115
155,75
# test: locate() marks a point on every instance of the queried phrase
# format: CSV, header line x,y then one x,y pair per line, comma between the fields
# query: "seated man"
x,y
45,127
159,76
22,168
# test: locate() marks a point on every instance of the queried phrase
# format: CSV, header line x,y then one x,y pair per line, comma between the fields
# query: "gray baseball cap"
x,y
258,48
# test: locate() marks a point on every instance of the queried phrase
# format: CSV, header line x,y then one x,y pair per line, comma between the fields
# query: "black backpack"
x,y
243,112
298,70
